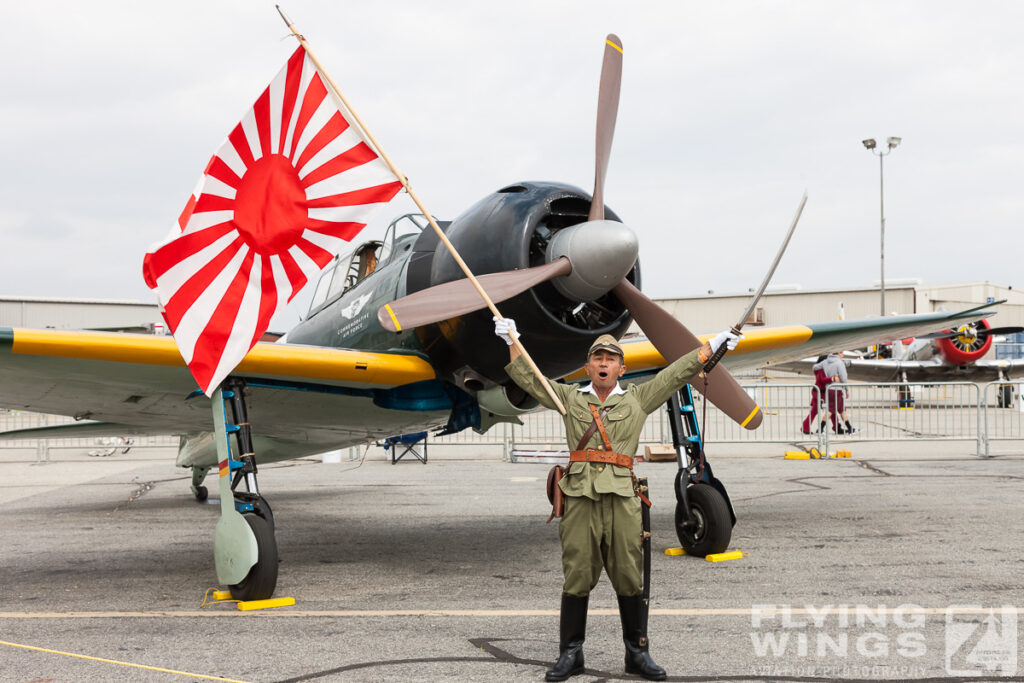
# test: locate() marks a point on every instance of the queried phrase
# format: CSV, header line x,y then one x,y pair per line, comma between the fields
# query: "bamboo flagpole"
x,y
412,195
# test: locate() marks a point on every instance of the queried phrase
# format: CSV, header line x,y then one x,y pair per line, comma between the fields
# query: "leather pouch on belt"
x,y
555,495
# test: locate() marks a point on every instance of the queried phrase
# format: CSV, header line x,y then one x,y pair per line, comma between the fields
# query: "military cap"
x,y
606,342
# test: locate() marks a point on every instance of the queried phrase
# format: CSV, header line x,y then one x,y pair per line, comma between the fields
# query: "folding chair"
x,y
407,444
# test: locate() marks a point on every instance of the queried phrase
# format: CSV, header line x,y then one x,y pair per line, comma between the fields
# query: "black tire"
x,y
262,508
714,524
261,581
202,493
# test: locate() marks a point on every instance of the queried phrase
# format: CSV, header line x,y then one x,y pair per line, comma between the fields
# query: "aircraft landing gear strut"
x,y
198,476
245,551
704,514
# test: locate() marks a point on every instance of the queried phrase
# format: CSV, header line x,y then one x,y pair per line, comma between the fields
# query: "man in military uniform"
x,y
601,524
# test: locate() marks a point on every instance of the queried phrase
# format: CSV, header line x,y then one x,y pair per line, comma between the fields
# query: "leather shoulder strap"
x,y
600,425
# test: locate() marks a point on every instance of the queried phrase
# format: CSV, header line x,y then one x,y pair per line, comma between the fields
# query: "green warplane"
x,y
397,343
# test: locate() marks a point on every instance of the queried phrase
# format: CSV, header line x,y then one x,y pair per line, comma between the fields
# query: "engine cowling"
x,y
968,345
511,229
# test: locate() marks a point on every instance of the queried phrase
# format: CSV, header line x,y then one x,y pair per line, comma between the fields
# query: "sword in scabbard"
x,y
735,329
645,526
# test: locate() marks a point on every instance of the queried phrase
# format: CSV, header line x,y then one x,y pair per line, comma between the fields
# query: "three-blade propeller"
x,y
672,339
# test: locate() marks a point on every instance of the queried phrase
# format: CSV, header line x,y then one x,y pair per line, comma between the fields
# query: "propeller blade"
x,y
607,110
459,297
1001,330
981,332
673,341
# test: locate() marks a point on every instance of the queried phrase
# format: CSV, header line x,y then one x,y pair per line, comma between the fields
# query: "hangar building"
x,y
80,314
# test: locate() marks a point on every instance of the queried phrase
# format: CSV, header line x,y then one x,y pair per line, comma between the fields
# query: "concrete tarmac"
x,y
892,565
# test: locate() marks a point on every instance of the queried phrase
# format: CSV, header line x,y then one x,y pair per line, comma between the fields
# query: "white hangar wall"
x,y
79,314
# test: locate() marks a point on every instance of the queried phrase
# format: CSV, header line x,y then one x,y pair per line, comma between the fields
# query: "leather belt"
x,y
608,457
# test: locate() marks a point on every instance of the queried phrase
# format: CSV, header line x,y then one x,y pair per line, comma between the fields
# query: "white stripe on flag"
x,y
181,272
319,119
334,148
307,76
276,99
345,214
328,242
252,135
284,286
308,265
205,219
217,188
230,157
372,173
244,327
192,324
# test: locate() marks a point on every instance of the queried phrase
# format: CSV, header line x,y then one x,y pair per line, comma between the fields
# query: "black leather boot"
x,y
634,635
572,631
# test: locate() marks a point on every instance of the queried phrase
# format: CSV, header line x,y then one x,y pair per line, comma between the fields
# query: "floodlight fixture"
x,y
894,142
869,143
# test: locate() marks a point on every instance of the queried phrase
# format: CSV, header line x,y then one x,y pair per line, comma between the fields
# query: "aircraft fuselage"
x,y
507,230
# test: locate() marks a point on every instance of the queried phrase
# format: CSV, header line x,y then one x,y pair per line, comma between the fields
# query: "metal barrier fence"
x,y
951,411
1003,412
948,411
497,438
18,419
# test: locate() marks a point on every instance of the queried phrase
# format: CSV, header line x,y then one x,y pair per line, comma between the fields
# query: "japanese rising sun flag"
x,y
293,182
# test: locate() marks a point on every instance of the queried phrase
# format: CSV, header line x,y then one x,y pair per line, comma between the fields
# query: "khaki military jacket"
x,y
623,423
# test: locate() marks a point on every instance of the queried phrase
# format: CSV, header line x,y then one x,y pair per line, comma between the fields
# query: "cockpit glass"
x,y
409,224
320,295
347,270
339,282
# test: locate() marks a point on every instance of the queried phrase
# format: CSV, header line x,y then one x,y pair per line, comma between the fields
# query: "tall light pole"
x,y
871,146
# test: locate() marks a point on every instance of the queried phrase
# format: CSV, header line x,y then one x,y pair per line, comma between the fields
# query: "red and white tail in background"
x,y
291,185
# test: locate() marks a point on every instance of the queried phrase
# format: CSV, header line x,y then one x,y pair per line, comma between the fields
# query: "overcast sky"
x,y
729,111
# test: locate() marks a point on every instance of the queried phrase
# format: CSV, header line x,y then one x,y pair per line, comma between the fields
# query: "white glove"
x,y
506,329
726,337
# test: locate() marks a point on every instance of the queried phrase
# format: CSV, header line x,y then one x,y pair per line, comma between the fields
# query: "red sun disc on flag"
x,y
270,205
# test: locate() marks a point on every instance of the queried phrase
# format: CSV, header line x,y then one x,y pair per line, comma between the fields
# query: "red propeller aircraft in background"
x,y
956,354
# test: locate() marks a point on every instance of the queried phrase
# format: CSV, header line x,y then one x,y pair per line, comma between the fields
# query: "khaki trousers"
x,y
604,532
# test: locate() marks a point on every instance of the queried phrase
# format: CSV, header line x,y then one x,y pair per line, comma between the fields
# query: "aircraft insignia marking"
x,y
352,310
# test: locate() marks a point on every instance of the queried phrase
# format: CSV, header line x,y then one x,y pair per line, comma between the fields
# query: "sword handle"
x,y
713,361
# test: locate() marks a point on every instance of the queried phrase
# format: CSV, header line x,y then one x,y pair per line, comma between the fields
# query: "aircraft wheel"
x,y
201,493
261,580
262,508
713,530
